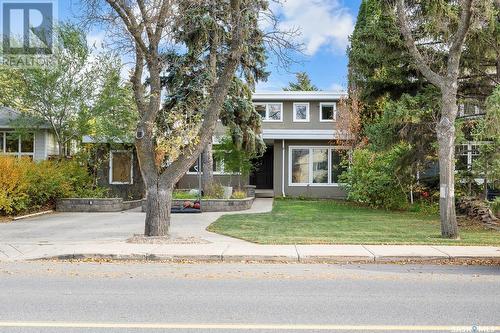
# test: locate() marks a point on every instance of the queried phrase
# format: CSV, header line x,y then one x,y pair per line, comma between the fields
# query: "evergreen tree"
x,y
303,83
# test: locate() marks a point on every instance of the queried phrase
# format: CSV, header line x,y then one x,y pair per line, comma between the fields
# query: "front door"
x,y
262,176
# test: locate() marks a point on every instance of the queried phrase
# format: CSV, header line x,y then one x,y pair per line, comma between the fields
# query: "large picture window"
x,y
316,165
270,111
121,167
12,143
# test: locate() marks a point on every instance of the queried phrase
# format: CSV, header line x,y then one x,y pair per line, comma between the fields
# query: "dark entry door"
x,y
262,176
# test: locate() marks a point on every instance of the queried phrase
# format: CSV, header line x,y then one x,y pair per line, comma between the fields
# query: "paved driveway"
x,y
91,227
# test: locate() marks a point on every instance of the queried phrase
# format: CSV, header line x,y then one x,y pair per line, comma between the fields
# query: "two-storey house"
x,y
303,155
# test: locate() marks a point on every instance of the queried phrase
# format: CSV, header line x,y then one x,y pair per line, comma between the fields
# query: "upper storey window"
x,y
301,112
328,112
270,111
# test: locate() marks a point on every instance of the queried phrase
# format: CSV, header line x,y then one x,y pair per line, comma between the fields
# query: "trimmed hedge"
x,y
27,186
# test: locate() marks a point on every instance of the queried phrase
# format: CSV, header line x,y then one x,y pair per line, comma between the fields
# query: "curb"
x,y
273,259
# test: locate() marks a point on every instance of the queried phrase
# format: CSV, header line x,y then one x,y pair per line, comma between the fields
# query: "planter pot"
x,y
228,192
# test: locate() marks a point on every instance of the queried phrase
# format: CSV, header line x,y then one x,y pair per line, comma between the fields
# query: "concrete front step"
x,y
264,193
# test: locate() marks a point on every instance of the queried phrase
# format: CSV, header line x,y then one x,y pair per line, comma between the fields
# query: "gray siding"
x,y
52,146
40,145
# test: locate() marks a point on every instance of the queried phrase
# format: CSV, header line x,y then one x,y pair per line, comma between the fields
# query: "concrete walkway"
x,y
104,235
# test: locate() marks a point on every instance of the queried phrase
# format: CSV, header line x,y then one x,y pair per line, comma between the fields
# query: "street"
x,y
159,297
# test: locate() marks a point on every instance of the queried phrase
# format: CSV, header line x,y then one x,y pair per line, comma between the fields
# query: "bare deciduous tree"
x,y
447,81
150,26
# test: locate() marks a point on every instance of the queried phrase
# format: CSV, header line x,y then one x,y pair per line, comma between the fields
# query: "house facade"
x,y
37,144
303,155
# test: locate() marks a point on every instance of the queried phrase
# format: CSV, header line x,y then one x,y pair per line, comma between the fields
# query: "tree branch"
x,y
422,65
459,40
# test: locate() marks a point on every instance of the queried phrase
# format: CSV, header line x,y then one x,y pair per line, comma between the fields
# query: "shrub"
x,y
239,195
216,191
181,195
376,178
26,185
495,206
13,185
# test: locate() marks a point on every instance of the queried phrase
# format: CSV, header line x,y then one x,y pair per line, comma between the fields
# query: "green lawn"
x,y
334,222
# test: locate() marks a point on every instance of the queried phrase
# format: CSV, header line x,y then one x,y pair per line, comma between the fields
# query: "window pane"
x,y
338,156
300,166
1,142
301,112
218,165
12,143
194,168
28,143
327,112
274,111
461,162
320,166
122,164
261,109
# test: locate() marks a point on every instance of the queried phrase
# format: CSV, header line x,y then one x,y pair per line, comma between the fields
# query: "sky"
x,y
324,25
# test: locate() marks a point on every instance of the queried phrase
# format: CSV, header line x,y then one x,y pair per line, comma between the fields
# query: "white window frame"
x,y
469,152
266,119
334,104
19,153
311,164
111,182
295,120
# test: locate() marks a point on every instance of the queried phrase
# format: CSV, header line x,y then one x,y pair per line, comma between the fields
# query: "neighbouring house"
x,y
37,143
116,167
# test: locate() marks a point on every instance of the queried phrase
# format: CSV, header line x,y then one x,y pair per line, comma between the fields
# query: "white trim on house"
x,y
311,165
301,134
111,182
295,120
298,95
334,112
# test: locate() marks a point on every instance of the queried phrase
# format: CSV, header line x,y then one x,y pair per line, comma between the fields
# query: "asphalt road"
x,y
120,297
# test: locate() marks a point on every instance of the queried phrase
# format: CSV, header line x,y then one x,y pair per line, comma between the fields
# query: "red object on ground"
x,y
197,205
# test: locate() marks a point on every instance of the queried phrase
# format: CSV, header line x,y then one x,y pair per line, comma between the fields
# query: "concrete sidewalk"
x,y
104,236
236,252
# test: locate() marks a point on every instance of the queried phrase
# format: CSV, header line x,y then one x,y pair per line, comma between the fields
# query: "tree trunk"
x,y
61,149
158,205
446,141
207,162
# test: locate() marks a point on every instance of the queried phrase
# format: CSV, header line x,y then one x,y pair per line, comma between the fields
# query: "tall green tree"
x,y
12,88
66,94
302,83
